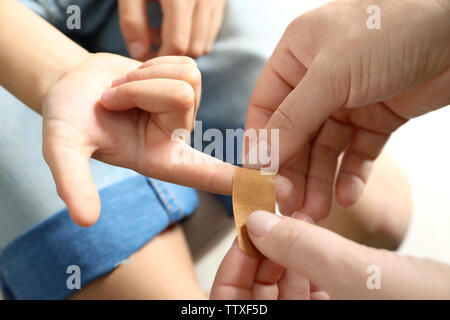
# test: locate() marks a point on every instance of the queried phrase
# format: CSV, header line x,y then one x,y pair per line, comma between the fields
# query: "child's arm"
x,y
33,54
65,83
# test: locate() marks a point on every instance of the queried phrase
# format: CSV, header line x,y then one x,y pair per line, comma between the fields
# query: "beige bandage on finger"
x,y
251,191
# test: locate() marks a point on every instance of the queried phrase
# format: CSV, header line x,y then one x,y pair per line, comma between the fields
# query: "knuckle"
x,y
127,90
178,46
285,121
291,237
184,96
292,26
135,75
195,52
190,61
192,75
297,25
337,79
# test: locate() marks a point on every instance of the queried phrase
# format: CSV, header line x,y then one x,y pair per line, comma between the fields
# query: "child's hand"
x,y
189,27
129,125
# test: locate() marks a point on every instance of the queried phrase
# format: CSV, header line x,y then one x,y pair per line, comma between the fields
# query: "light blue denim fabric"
x,y
38,241
35,265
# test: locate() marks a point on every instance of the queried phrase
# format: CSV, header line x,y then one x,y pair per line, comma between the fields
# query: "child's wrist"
x,y
59,65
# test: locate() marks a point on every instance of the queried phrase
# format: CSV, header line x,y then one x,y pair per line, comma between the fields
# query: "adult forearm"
x,y
33,54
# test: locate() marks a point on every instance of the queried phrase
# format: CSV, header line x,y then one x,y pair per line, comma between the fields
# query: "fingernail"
x,y
117,82
302,216
108,94
136,49
260,223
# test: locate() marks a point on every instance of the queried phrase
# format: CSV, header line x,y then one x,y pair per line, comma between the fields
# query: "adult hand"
x,y
341,268
241,277
329,62
189,27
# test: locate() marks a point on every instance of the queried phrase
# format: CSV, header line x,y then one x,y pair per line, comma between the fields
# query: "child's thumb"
x,y
73,179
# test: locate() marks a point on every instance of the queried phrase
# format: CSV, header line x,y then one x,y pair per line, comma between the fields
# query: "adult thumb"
x,y
345,269
303,111
73,179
